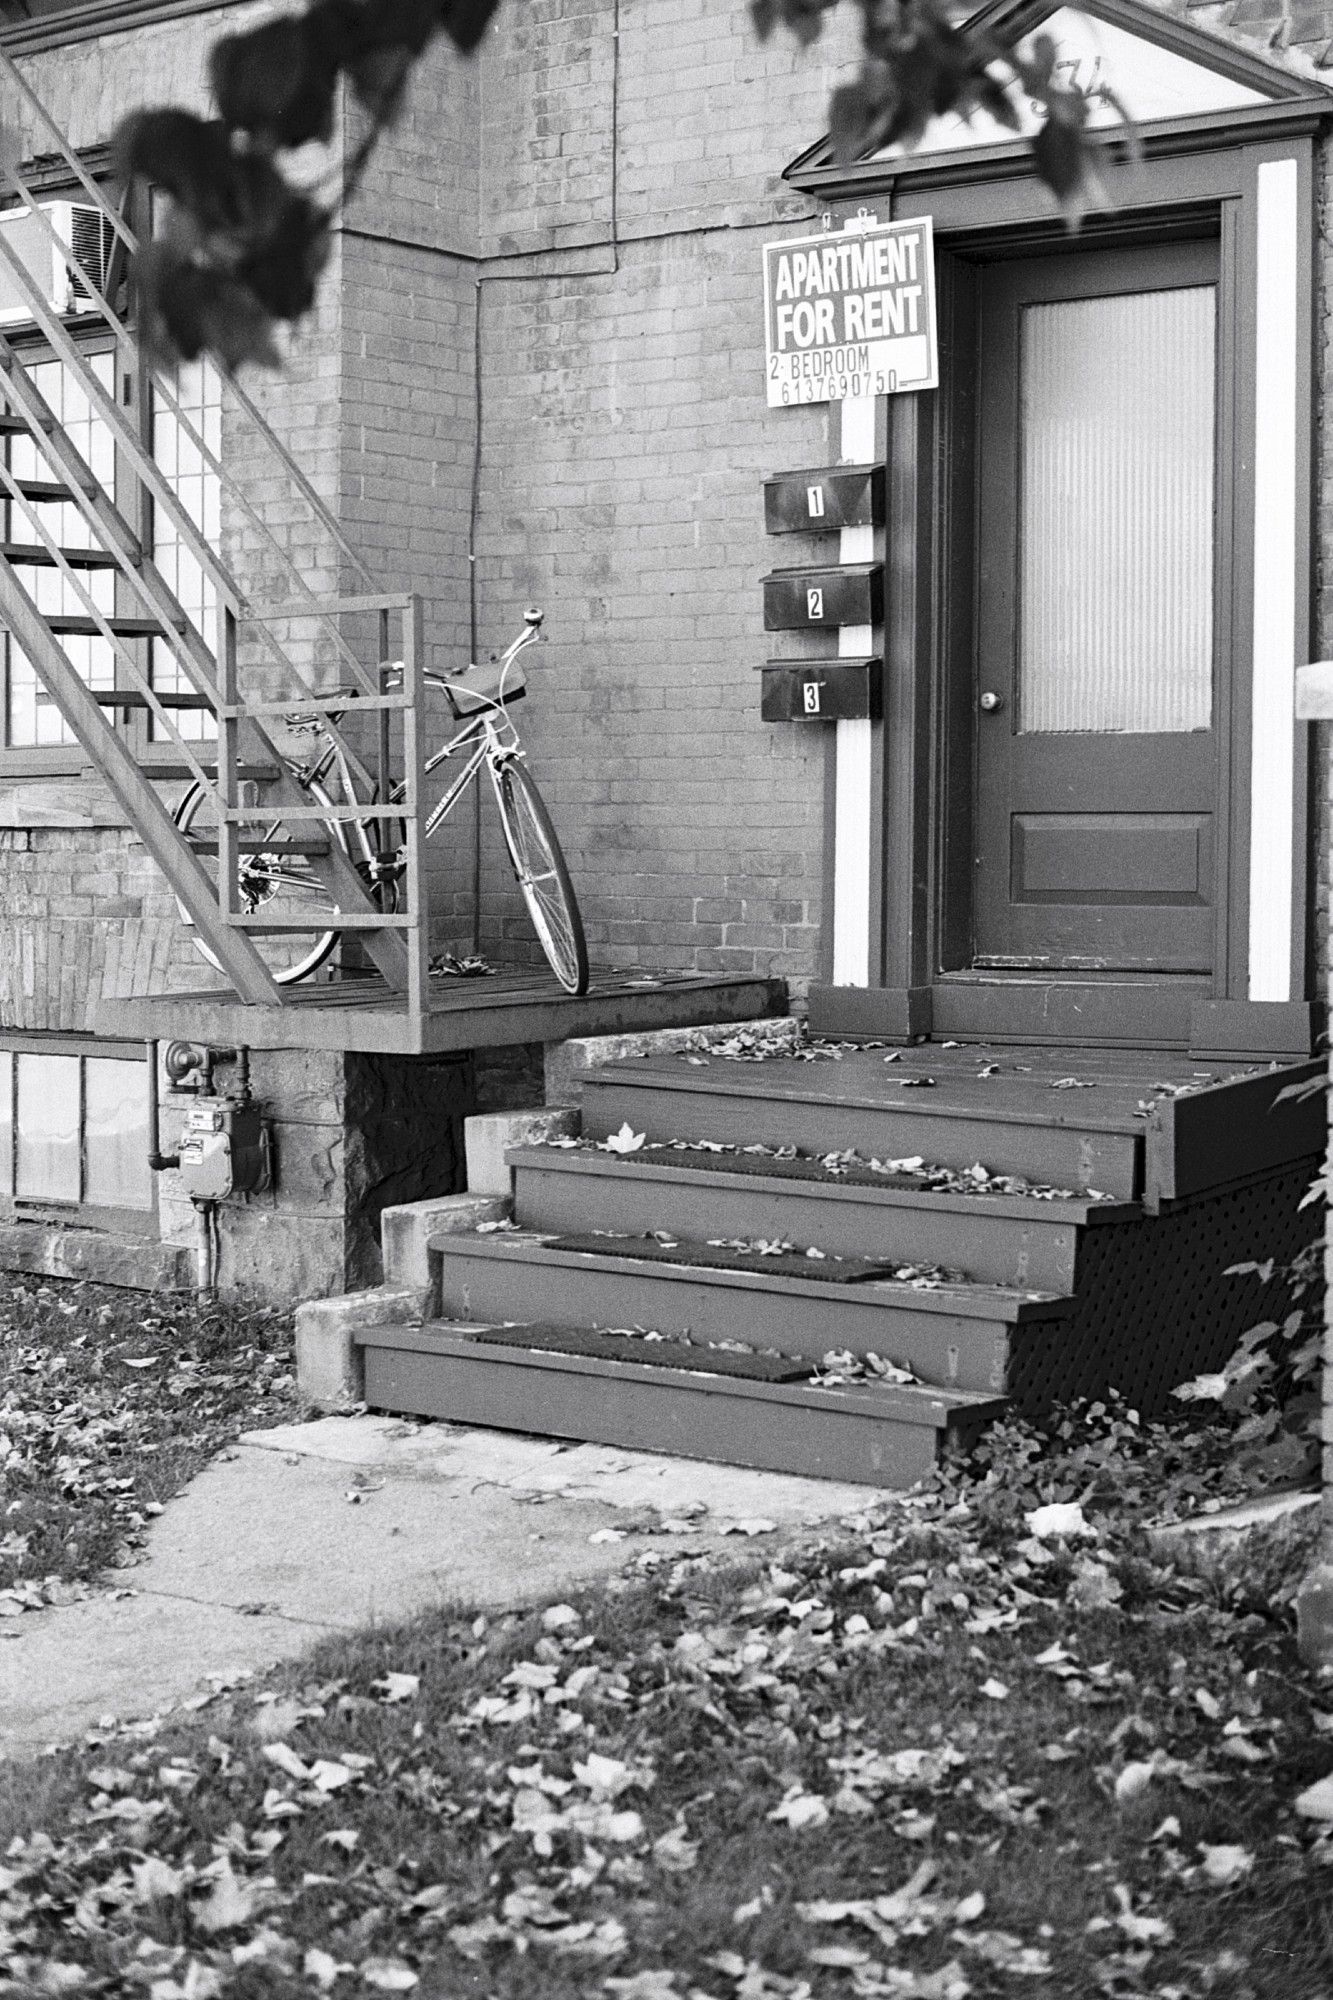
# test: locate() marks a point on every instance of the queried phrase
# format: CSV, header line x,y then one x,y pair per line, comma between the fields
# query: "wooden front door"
x,y
1095,681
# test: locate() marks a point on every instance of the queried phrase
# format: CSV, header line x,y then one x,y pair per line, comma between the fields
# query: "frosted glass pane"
x,y
115,1134
1116,513
47,1115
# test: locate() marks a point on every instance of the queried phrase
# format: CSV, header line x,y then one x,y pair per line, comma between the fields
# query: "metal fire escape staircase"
x,y
249,783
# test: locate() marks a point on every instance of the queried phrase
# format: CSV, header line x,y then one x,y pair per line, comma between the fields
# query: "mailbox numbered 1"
x,y
823,498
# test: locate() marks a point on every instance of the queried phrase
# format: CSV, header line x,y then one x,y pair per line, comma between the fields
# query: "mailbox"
x,y
821,690
833,496
810,600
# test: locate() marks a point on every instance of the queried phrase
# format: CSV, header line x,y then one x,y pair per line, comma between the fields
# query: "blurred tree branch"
x,y
241,248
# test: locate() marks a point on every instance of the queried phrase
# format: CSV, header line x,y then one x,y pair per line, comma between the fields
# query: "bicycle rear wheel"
x,y
539,867
281,887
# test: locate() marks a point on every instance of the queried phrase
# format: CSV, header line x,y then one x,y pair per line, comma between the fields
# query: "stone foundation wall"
x,y
352,1134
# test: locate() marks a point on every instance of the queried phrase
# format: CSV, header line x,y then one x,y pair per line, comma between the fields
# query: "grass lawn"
x,y
110,1400
940,1754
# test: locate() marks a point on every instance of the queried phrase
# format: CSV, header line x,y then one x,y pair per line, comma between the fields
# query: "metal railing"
x,y
213,678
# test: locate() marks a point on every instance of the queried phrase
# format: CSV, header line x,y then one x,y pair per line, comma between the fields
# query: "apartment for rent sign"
x,y
851,314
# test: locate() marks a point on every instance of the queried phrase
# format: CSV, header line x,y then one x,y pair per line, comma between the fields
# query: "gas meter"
x,y
224,1149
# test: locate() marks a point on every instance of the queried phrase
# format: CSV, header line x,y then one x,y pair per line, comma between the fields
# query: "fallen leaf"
x,y
1316,1801
228,1904
322,1967
626,1140
1062,1517
388,1975
1225,1865
801,1809
397,1687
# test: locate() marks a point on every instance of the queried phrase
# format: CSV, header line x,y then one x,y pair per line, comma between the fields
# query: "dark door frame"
x,y
1207,187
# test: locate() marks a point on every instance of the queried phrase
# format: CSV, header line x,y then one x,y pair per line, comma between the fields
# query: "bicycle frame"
x,y
492,731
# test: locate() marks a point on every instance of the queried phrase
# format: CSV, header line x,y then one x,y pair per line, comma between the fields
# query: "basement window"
x,y
74,1133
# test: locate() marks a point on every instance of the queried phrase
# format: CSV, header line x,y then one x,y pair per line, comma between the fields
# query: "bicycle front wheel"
x,y
273,884
540,870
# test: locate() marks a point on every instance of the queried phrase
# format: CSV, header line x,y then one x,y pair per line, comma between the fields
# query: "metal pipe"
x,y
207,1266
158,1161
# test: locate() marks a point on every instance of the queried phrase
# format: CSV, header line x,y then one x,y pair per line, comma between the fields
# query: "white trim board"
x,y
853,817
1273,681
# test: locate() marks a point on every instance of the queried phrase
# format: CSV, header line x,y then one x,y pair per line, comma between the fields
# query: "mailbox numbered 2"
x,y
797,599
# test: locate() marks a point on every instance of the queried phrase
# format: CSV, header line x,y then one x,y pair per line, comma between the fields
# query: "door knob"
x,y
990,702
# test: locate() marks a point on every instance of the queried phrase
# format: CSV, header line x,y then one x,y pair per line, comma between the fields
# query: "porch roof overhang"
x,y
1293,105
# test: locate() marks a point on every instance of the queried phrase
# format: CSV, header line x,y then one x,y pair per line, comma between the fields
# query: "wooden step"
x,y
13,425
706,1255
690,1355
1067,1139
954,1334
34,555
1011,1240
874,1434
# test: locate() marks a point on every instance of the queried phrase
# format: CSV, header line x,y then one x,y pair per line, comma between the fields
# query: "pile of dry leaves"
x,y
982,1742
109,1401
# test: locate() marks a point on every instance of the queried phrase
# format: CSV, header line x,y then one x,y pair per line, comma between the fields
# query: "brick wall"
x,y
623,439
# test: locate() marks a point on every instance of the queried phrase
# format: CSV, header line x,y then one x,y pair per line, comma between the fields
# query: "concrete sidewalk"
x,y
324,1527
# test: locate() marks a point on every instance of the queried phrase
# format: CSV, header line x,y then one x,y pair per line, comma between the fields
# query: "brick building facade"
x,y
536,374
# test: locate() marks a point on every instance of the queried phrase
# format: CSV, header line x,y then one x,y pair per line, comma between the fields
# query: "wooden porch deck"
x,y
509,1006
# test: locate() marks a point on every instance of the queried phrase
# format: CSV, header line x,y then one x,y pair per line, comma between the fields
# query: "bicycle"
x,y
284,885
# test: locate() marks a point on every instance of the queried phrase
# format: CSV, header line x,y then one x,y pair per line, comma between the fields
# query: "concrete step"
x,y
873,1433
956,1335
1055,1137
1015,1240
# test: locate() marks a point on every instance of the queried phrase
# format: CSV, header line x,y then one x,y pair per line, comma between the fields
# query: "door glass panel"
x,y
6,1122
115,1134
47,1116
1116,513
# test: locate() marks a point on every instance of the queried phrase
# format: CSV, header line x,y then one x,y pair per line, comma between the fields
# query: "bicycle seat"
x,y
480,689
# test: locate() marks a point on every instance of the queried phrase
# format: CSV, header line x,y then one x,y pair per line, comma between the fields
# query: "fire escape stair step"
x,y
35,555
1002,1239
49,489
71,625
247,843
559,1382
165,697
257,774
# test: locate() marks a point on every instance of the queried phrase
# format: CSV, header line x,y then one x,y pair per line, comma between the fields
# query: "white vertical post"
x,y
1273,704
853,818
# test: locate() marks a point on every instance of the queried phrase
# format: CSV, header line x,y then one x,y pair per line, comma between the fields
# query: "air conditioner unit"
x,y
79,226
